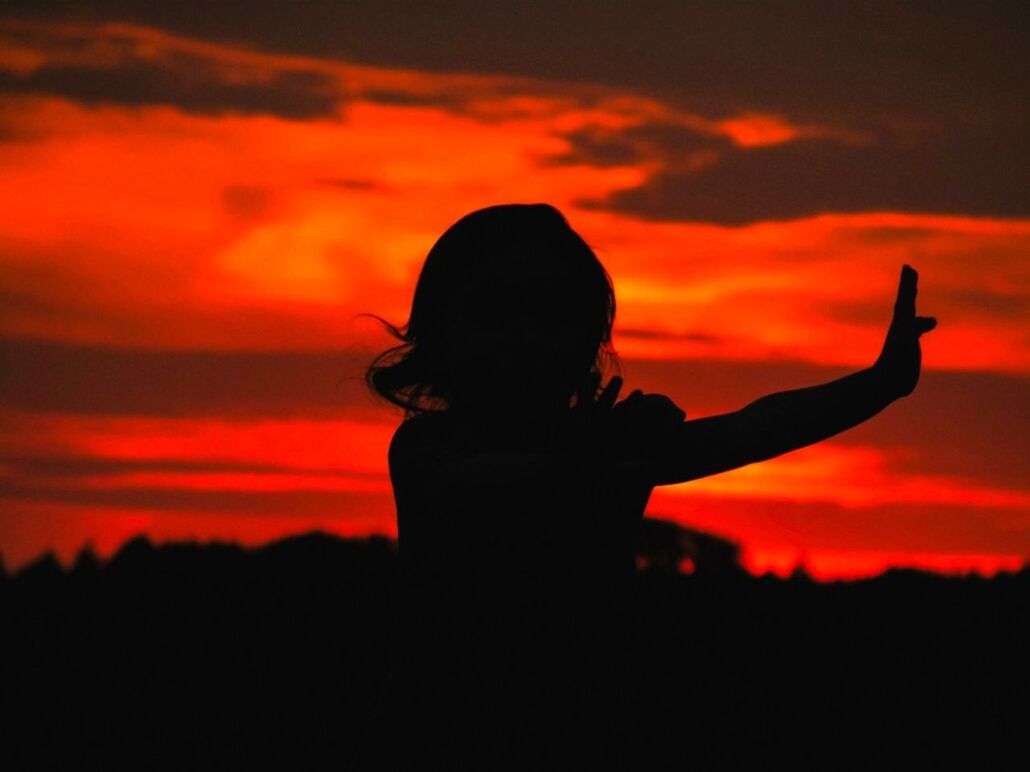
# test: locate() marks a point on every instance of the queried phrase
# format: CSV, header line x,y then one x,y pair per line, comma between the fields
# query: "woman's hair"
x,y
414,374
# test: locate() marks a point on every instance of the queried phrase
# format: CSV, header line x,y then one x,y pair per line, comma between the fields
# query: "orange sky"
x,y
190,226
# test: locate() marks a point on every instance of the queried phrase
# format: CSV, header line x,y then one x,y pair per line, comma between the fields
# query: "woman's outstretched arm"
x,y
768,427
788,420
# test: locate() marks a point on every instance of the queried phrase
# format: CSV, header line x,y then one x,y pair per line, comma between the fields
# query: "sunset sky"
x,y
198,200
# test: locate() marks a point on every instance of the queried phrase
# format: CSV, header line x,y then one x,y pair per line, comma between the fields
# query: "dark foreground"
x,y
183,657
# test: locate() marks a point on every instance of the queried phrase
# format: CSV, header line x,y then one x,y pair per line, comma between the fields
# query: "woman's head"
x,y
511,304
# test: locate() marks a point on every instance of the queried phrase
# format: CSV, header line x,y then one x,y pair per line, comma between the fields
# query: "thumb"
x,y
925,324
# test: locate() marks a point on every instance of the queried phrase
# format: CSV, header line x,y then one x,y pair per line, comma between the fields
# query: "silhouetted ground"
x,y
187,656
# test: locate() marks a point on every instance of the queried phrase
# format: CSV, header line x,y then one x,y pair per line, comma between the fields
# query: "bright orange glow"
x,y
756,130
159,228
850,476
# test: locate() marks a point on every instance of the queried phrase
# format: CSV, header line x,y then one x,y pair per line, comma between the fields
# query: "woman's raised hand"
x,y
592,414
900,359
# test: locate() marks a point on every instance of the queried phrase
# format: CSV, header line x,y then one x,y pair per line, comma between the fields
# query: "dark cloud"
x,y
674,145
801,57
890,234
351,183
940,87
924,168
96,380
645,334
104,65
304,503
77,466
968,304
190,82
939,173
398,98
1001,305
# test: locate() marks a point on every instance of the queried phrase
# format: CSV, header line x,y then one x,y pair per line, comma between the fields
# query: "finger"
x,y
634,395
632,400
585,396
671,408
672,413
905,304
611,391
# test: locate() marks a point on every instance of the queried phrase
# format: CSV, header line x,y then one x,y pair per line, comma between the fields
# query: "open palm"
x,y
900,359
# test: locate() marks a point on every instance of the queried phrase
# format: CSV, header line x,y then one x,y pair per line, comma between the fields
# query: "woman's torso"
x,y
517,604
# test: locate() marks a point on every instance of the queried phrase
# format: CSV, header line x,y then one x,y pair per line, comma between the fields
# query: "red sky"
x,y
191,219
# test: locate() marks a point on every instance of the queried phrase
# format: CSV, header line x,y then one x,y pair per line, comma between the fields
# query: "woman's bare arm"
x,y
788,420
768,427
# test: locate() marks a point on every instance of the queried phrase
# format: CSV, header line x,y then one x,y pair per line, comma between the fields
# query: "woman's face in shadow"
x,y
515,339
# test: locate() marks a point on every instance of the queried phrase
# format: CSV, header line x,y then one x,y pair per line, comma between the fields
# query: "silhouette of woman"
x,y
519,481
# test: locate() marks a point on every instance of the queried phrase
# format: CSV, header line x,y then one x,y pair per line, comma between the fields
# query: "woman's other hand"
x,y
642,420
628,429
591,417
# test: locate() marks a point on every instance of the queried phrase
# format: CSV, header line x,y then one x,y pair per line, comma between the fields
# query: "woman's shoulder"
x,y
428,420
422,427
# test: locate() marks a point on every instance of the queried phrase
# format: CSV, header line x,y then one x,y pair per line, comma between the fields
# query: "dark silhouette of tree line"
x,y
187,656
